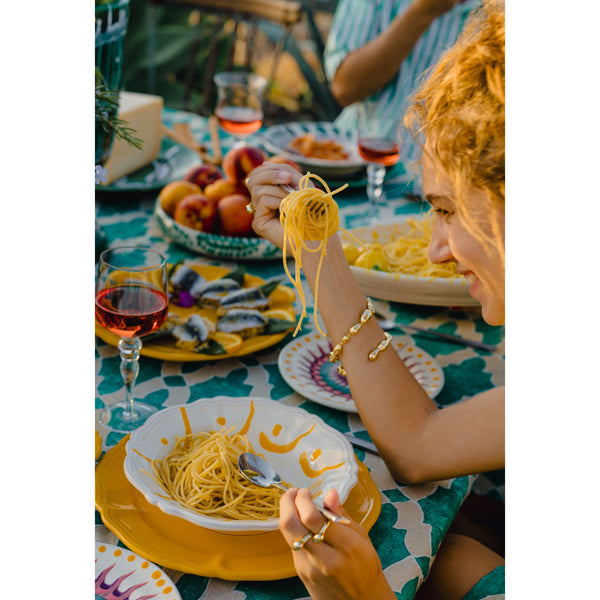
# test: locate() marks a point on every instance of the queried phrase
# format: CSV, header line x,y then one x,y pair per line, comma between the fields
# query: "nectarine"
x,y
174,192
238,162
220,188
234,219
198,212
203,175
282,160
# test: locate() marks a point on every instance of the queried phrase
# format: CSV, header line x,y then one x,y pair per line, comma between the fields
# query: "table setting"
x,y
195,371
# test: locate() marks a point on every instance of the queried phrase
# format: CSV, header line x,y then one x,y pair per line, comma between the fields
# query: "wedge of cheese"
x,y
143,113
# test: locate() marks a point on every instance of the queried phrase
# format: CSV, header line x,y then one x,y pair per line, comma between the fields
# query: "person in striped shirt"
x,y
380,49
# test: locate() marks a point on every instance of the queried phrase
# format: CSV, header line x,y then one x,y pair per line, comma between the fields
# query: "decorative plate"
x,y
278,137
177,544
304,364
301,447
281,299
398,287
173,162
122,574
214,245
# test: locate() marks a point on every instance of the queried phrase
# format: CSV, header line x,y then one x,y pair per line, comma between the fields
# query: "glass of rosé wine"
x,y
131,302
239,108
379,150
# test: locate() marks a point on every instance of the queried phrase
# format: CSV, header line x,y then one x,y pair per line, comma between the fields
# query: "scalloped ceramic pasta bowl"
x,y
302,448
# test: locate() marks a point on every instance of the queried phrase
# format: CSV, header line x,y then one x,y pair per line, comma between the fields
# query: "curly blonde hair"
x,y
459,108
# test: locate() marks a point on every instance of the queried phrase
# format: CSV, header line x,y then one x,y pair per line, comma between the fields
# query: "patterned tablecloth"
x,y
413,519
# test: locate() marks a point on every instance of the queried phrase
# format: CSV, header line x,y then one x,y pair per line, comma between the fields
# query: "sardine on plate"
x,y
243,321
214,291
244,298
192,335
185,279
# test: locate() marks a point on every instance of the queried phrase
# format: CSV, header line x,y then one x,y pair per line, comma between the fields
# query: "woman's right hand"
x,y
264,184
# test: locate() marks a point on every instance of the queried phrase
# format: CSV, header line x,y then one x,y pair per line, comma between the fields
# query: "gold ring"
x,y
250,208
299,544
318,537
246,181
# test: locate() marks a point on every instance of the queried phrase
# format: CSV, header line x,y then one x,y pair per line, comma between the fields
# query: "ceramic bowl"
x,y
302,448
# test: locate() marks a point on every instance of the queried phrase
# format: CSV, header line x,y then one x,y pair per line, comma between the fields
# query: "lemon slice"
x,y
230,341
280,313
98,441
282,294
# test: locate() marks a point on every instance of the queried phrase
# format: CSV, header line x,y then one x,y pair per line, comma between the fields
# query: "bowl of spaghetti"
x,y
184,460
393,264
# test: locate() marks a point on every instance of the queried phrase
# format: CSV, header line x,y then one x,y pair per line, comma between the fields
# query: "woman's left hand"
x,y
345,565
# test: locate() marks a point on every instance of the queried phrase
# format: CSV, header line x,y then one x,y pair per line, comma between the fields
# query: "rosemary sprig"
x,y
107,104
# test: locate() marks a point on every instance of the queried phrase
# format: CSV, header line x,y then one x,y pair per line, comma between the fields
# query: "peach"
x,y
220,188
174,192
203,175
197,212
282,160
238,162
234,219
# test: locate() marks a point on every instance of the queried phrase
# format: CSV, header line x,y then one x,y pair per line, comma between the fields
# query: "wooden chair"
x,y
275,20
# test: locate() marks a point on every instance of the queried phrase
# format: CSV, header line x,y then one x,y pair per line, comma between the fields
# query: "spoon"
x,y
257,470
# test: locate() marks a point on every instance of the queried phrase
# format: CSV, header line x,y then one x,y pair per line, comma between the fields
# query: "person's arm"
x,y
370,67
417,440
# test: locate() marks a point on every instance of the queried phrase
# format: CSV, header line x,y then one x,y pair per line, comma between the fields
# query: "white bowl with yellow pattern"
x,y
302,448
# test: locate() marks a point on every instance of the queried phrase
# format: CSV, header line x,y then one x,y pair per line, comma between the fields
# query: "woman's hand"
x,y
345,565
264,185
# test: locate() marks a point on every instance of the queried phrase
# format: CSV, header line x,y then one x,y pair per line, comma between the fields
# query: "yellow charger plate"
x,y
282,298
174,543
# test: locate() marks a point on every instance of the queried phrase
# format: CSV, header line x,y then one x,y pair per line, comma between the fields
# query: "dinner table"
x,y
406,522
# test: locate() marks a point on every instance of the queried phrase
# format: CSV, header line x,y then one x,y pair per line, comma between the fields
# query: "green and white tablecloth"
x,y
413,519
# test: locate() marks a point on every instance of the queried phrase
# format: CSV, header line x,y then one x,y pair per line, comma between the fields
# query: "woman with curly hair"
x,y
458,115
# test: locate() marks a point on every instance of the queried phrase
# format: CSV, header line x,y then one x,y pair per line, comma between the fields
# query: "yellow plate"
x,y
282,298
174,543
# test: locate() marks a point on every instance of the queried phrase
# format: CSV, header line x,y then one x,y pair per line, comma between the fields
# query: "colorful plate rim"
x,y
161,350
329,388
176,544
144,572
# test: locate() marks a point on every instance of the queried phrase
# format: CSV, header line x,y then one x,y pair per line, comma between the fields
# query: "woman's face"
x,y
453,240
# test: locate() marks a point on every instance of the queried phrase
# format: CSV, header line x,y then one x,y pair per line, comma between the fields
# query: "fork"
x,y
387,324
315,205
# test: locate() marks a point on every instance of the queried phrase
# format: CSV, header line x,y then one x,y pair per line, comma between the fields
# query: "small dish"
x,y
214,245
278,137
121,573
304,365
177,544
301,447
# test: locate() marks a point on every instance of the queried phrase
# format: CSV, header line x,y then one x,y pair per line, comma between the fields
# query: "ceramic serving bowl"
x,y
302,448
215,245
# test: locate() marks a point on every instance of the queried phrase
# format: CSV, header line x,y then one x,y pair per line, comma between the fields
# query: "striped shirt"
x,y
356,22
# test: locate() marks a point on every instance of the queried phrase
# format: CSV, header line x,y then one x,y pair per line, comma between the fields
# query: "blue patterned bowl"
x,y
216,246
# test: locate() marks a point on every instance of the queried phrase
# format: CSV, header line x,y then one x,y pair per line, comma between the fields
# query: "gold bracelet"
x,y
374,354
336,352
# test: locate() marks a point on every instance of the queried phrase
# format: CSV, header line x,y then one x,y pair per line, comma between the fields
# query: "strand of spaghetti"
x,y
309,214
200,472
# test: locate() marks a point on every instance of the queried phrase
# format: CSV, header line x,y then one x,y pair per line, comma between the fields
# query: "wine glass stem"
x,y
375,177
130,367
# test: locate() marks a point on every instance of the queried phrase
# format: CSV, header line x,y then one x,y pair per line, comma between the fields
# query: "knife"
x,y
362,444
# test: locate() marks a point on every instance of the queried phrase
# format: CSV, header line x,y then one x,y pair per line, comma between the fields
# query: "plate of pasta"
x,y
318,147
184,460
304,365
393,264
216,313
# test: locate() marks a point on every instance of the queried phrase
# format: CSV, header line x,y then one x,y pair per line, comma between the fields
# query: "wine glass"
x,y
131,302
239,103
378,145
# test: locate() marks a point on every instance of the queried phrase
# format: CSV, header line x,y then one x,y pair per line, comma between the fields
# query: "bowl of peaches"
x,y
205,211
